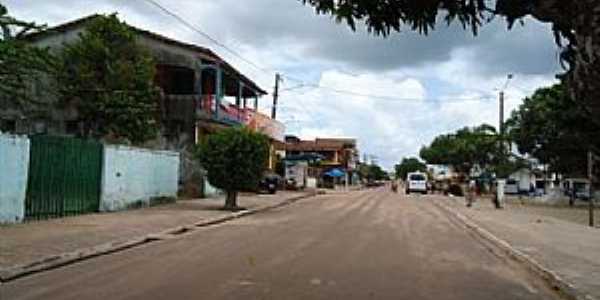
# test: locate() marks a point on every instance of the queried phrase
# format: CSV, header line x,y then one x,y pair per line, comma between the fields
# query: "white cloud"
x,y
395,128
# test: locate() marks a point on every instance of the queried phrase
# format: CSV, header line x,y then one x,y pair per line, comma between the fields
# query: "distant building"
x,y
335,153
440,172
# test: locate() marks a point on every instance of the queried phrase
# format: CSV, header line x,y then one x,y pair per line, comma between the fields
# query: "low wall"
x,y
132,177
210,191
311,183
14,169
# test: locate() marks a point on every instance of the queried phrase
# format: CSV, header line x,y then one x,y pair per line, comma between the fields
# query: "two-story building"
x,y
200,94
335,153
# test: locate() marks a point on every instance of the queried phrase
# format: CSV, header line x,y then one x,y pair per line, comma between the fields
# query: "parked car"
x,y
511,187
576,188
416,182
581,190
291,184
269,183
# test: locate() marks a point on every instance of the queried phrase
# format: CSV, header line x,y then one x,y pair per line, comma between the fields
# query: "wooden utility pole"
x,y
501,112
499,195
275,96
501,118
591,189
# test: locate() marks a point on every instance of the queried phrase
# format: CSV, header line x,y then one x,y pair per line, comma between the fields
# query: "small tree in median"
x,y
235,160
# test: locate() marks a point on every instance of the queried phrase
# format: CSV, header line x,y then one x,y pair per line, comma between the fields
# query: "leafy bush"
x,y
235,160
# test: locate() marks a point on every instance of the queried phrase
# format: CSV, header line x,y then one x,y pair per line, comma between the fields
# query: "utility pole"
x,y
501,111
500,180
501,118
275,96
591,189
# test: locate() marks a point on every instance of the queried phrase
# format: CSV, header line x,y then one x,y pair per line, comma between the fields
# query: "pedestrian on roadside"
x,y
471,188
531,190
395,186
572,196
495,199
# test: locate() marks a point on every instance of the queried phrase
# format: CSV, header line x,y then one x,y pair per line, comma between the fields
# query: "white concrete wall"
x,y
524,179
311,182
210,191
132,176
14,169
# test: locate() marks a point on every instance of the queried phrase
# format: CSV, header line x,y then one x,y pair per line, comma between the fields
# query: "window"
x,y
417,177
72,127
173,129
9,126
39,127
175,80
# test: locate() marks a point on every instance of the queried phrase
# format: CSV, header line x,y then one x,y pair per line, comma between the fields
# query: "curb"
x,y
552,278
61,260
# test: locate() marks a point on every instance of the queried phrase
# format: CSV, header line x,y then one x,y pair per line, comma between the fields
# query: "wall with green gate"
x,y
44,177
65,175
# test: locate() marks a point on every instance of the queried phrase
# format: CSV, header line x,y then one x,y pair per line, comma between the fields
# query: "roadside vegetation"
x,y
554,129
105,74
108,77
21,65
235,160
372,172
549,129
409,165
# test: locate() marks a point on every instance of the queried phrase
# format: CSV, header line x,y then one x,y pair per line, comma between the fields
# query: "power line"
x,y
302,83
524,90
392,98
206,35
376,96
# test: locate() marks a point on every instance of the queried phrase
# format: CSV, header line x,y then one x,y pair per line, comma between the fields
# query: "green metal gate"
x,y
64,177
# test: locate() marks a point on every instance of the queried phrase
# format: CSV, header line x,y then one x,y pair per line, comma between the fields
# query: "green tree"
x,y
363,171
464,149
21,65
377,173
408,165
109,76
372,172
575,25
552,128
235,160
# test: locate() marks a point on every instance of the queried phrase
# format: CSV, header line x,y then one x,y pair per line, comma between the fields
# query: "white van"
x,y
416,182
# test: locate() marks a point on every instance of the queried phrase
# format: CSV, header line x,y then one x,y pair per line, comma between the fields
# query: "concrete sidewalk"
x,y
30,242
565,246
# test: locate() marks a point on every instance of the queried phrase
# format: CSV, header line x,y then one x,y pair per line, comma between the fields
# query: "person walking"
x,y
471,192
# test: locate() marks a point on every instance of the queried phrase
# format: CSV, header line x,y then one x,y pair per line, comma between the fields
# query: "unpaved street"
x,y
362,245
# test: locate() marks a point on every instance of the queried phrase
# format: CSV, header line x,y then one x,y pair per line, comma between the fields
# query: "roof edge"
x,y
65,27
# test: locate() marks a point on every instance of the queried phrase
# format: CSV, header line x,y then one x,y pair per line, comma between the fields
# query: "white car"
x,y
416,182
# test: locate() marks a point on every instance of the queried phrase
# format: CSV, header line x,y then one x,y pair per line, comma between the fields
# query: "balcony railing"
x,y
200,107
190,108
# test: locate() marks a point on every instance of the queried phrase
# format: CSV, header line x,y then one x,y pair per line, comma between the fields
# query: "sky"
x,y
426,85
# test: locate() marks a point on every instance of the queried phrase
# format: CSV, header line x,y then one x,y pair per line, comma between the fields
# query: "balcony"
x,y
190,108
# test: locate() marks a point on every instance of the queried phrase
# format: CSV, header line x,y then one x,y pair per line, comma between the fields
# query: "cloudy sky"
x,y
428,85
